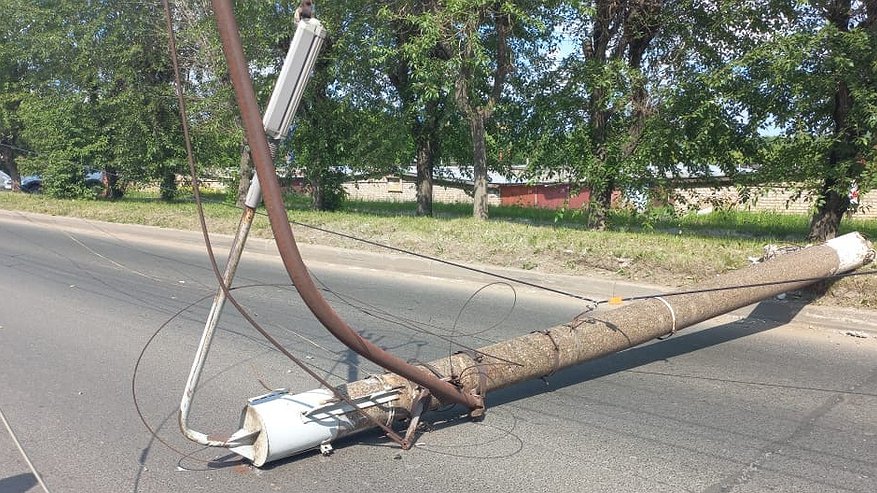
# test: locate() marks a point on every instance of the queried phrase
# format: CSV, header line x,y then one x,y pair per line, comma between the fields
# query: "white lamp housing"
x,y
279,424
294,75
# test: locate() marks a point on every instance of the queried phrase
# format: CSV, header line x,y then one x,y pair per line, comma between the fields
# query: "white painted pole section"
x,y
852,251
279,424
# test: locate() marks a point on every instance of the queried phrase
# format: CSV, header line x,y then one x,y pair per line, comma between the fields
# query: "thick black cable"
x,y
553,290
496,275
594,302
427,257
742,286
447,262
566,293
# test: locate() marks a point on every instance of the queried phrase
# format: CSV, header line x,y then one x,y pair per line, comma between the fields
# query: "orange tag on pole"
x,y
615,300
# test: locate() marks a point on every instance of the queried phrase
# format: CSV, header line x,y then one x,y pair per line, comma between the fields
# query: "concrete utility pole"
x,y
280,424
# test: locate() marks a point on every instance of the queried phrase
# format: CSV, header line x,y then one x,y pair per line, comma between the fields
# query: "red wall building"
x,y
553,196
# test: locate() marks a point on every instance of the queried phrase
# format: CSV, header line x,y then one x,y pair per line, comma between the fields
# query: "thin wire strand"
x,y
745,286
33,469
446,262
592,301
144,350
146,346
499,321
190,155
366,309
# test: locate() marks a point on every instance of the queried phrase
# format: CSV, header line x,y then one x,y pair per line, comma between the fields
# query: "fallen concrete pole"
x,y
279,425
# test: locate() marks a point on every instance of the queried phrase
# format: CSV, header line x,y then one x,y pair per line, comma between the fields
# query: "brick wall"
x,y
396,190
761,199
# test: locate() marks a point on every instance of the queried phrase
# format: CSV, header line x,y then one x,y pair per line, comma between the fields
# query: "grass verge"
x,y
657,247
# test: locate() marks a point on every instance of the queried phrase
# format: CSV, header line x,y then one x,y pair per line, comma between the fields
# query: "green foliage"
x,y
665,86
98,92
332,194
346,120
64,180
814,81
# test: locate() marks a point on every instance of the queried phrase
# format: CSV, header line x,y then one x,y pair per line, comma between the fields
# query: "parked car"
x,y
34,183
5,181
31,184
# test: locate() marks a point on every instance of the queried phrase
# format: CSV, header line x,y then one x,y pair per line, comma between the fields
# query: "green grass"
x,y
656,247
759,226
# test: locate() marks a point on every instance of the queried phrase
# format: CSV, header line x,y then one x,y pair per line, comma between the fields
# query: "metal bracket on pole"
x,y
282,106
420,406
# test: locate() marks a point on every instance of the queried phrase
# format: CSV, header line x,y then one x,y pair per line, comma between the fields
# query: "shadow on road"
x,y
767,315
20,483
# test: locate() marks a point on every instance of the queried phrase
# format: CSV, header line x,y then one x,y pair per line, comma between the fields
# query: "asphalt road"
x,y
748,405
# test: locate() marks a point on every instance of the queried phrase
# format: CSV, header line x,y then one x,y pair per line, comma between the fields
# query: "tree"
x,y
814,79
217,133
97,92
348,124
597,101
11,96
423,93
469,47
16,74
480,52
852,37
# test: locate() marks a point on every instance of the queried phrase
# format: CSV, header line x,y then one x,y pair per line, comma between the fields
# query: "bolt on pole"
x,y
282,425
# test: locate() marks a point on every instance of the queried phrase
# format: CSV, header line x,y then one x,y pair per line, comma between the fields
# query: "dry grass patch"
x,y
670,251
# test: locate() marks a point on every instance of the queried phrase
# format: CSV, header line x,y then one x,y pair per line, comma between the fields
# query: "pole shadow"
x,y
767,315
20,483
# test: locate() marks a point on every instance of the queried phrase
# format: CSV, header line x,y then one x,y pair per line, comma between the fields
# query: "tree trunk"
x,y
619,28
601,202
480,111
424,129
246,170
318,201
479,165
599,117
426,135
831,205
9,159
113,189
425,166
168,185
825,222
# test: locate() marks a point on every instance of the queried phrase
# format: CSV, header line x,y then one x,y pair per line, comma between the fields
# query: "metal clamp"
x,y
480,391
672,318
556,353
418,407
